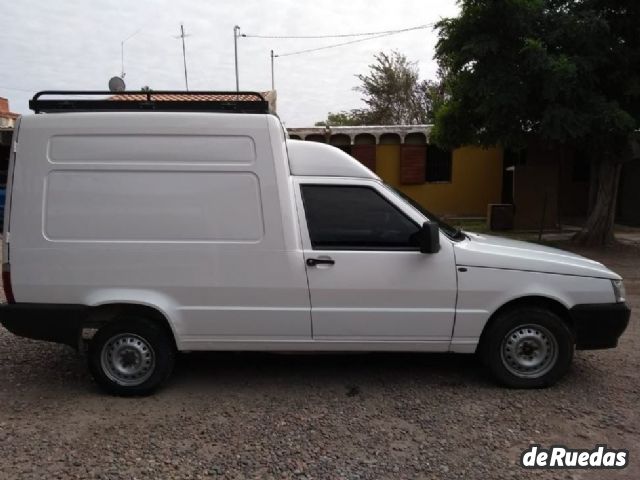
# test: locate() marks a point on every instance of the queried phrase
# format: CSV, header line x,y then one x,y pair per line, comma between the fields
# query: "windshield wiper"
x,y
459,234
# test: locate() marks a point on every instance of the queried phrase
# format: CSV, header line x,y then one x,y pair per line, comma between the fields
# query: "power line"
x,y
340,35
16,89
326,47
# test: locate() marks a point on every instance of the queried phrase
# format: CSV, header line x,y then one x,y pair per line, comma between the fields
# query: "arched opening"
x,y
314,137
415,138
389,139
364,139
295,137
342,141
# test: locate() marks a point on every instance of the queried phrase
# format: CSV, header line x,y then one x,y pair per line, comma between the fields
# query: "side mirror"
x,y
428,238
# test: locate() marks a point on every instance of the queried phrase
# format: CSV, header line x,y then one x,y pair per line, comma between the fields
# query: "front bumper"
x,y
599,325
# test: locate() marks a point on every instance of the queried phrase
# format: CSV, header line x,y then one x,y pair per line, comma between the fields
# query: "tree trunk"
x,y
598,230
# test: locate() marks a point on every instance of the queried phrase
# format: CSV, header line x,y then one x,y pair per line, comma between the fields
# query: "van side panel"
x,y
179,211
127,206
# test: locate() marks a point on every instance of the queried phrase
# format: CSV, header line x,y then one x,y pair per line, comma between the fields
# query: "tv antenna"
x,y
236,35
184,55
122,72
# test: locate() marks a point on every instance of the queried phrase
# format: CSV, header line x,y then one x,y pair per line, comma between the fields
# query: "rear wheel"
x,y
528,347
131,356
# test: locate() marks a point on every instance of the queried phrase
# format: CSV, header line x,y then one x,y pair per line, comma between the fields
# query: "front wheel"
x,y
131,356
528,347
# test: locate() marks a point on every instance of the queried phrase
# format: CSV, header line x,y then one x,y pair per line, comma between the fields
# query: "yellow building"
x,y
460,183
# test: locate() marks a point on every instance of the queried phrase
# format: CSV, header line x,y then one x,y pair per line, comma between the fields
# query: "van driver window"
x,y
354,218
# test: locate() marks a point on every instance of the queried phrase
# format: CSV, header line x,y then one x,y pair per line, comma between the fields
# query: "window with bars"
x,y
438,165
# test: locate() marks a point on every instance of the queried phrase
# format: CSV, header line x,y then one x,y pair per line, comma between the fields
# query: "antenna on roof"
x,y
184,55
273,82
122,73
236,34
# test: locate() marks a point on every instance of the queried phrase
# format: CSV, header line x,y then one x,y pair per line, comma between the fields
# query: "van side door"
x,y
367,282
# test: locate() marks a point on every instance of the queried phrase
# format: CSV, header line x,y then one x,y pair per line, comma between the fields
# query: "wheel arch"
x,y
108,312
551,304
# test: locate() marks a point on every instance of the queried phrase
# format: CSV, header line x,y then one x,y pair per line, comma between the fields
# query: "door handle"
x,y
312,262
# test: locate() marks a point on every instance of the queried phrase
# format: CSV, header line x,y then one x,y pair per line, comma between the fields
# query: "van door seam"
x,y
455,305
295,186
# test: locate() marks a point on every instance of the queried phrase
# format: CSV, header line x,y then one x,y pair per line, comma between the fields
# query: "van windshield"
x,y
451,232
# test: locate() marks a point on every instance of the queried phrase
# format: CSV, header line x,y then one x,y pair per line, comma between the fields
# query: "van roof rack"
x,y
148,100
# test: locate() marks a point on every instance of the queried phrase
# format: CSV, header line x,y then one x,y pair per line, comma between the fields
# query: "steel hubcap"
x,y
529,351
128,359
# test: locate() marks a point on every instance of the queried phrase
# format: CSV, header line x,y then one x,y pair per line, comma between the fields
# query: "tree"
x,y
392,91
562,71
344,119
393,94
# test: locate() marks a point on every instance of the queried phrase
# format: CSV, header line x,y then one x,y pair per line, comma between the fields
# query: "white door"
x,y
367,282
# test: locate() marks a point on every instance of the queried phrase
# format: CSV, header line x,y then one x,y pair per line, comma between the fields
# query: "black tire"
x,y
537,352
142,347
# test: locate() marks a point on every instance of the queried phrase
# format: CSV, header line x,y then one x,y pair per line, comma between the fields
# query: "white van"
x,y
142,233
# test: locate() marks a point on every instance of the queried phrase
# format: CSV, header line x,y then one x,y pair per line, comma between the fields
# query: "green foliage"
x,y
393,94
391,91
344,119
567,71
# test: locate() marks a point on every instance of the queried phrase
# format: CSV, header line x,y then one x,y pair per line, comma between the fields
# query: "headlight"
x,y
618,290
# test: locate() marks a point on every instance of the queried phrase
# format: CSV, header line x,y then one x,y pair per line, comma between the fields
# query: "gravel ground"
x,y
359,416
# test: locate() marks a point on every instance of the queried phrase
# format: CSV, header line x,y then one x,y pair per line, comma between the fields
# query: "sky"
x,y
76,44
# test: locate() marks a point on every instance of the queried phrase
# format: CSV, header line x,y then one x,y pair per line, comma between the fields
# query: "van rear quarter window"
x,y
152,206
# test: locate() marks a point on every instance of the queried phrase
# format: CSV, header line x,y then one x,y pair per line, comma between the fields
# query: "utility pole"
x,y
236,34
272,76
184,55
